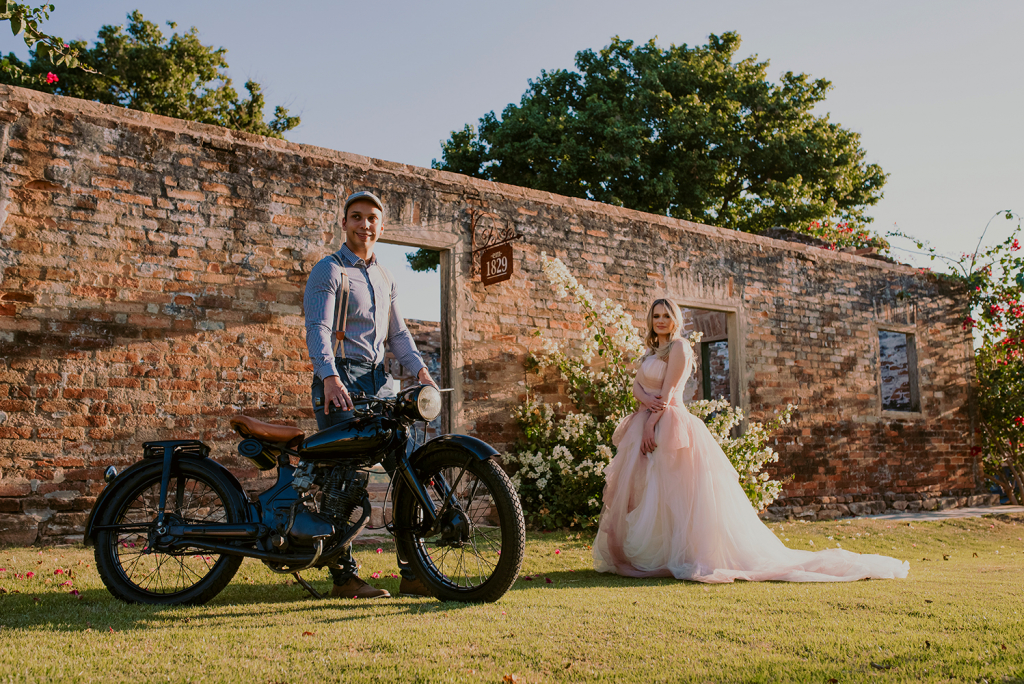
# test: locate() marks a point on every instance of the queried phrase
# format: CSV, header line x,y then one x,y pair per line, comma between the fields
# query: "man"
x,y
343,367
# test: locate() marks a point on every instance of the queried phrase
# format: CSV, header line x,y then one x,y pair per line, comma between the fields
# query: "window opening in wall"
x,y
713,376
898,370
714,366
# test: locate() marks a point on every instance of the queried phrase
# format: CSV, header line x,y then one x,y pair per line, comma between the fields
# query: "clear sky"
x,y
935,87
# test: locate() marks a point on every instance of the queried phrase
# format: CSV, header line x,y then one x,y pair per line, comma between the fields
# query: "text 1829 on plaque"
x,y
496,264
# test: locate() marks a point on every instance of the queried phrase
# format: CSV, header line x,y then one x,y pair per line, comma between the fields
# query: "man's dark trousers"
x,y
356,376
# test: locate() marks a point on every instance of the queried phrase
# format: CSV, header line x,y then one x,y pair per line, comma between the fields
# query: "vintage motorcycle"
x,y
174,527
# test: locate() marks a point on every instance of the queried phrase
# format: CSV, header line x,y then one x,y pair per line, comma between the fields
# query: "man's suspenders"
x,y
341,307
340,311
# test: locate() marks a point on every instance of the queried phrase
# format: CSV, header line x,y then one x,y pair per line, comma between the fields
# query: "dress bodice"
x,y
652,372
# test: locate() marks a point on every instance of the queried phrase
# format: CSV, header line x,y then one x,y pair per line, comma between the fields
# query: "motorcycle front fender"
x,y
470,445
125,476
407,471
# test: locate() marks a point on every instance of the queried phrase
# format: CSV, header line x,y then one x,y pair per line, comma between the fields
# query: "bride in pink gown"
x,y
673,505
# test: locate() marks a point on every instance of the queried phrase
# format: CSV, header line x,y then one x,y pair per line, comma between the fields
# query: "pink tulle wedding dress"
x,y
680,511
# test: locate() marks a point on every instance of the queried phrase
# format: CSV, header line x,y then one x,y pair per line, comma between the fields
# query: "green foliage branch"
x,y
138,67
841,235
25,21
561,456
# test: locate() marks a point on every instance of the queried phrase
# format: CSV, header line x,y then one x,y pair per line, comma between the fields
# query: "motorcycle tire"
x,y
195,494
484,561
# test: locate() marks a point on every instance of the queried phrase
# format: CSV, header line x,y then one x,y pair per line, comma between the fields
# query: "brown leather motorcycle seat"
x,y
250,427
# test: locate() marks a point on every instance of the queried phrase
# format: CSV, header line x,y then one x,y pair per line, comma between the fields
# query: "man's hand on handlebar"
x,y
424,378
335,394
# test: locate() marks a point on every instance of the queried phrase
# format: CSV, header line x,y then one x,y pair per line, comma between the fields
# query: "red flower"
x,y
58,571
30,574
51,78
1015,246
1019,420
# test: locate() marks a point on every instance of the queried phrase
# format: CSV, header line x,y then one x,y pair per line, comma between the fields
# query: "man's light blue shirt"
x,y
371,321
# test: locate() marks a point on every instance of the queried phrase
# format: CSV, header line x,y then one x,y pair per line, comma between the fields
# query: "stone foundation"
x,y
833,507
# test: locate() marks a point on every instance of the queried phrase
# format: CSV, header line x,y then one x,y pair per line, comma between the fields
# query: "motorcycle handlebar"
x,y
389,402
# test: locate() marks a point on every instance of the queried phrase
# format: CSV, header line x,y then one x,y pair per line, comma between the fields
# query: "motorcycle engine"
x,y
341,493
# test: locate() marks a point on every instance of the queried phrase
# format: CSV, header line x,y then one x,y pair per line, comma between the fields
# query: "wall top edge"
x,y
40,104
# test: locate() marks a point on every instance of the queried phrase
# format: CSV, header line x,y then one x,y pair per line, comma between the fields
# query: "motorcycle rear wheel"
x,y
483,566
195,495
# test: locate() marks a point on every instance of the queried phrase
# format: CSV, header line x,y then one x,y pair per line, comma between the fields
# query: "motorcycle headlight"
x,y
419,403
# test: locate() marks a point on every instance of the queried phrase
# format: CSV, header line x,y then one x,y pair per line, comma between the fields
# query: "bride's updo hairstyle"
x,y
651,340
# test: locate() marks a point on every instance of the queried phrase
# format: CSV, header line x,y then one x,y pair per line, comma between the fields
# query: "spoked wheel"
x,y
135,574
477,551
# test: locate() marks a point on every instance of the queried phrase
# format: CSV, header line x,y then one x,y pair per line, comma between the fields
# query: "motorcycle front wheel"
x,y
135,574
477,555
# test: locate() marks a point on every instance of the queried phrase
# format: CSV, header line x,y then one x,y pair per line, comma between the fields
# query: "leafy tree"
x,y
139,68
686,131
25,20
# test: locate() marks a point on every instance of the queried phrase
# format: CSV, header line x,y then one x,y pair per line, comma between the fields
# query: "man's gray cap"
x,y
366,196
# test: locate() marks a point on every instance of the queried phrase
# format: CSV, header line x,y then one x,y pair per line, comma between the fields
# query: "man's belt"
x,y
352,363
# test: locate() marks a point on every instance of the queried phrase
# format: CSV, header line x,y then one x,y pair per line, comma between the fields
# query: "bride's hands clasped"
x,y
657,404
650,402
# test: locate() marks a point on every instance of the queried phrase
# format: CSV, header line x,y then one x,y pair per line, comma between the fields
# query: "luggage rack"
x,y
181,447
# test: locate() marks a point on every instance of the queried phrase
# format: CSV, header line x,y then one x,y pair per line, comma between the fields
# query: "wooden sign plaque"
x,y
496,264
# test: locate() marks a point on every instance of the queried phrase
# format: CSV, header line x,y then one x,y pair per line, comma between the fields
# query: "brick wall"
x,y
151,275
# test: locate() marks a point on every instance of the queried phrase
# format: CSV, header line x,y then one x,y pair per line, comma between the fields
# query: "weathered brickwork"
x,y
151,276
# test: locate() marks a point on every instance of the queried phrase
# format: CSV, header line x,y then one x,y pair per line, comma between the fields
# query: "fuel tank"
x,y
359,441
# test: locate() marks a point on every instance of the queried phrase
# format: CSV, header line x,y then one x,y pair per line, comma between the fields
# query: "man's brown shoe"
x,y
414,587
357,588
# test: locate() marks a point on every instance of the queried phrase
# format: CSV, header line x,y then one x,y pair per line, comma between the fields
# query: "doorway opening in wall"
x,y
713,357
419,302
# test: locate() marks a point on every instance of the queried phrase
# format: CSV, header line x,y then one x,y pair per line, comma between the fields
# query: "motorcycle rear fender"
x,y
477,447
157,465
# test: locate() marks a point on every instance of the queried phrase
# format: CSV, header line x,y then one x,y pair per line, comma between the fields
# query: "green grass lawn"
x,y
952,620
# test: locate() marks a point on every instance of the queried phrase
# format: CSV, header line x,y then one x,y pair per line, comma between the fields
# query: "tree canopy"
x,y
688,132
138,67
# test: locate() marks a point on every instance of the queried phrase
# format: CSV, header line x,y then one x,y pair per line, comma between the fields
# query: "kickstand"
x,y
307,586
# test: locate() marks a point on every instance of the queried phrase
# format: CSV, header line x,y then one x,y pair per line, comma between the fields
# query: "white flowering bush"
x,y
561,465
748,453
561,456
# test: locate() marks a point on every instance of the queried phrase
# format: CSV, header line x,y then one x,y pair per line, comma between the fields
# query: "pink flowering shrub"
x,y
994,281
840,235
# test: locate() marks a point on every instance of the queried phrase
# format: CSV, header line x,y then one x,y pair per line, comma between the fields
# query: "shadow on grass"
x,y
586,579
98,609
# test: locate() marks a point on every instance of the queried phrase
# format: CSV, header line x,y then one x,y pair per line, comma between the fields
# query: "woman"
x,y
673,505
